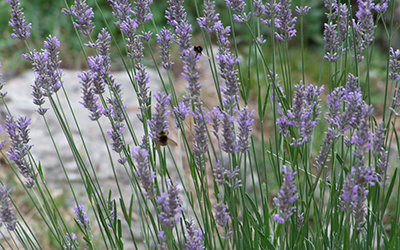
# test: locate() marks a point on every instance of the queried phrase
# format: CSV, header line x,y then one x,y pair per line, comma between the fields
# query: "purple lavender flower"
x,y
165,41
284,123
7,215
259,8
72,242
394,63
142,78
162,238
102,45
245,120
378,140
284,21
191,75
181,113
366,20
233,178
141,9
121,10
18,22
183,36
84,15
332,7
350,118
358,40
219,173
175,12
382,165
302,11
355,192
19,151
200,146
286,197
323,155
82,219
195,240
228,133
236,5
144,173
90,100
343,23
210,17
215,117
362,138
220,213
396,103
170,206
135,48
331,42
227,63
159,124
382,7
242,18
334,102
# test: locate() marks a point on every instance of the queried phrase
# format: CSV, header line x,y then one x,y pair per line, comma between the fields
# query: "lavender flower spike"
x,y
220,213
165,41
90,100
286,196
142,78
159,124
285,22
245,120
7,215
19,149
195,240
366,20
229,144
170,205
396,103
21,27
84,15
144,173
200,138
236,5
141,9
331,42
210,17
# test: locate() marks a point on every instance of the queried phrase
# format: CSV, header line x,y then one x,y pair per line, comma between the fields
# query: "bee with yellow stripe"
x,y
163,139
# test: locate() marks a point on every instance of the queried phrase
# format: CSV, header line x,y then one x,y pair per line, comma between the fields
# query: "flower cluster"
x,y
144,173
7,216
141,9
284,21
170,205
286,197
165,41
19,151
195,240
210,17
18,22
84,15
159,124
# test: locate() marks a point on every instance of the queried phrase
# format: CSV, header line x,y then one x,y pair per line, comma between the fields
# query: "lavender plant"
x,y
249,163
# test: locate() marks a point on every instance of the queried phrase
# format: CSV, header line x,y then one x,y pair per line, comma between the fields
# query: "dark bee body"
x,y
163,138
198,49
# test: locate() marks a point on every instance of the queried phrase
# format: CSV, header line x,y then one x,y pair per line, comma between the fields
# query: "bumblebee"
x,y
163,139
198,49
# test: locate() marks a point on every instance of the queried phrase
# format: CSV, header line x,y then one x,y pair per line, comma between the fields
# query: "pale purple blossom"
x,y
142,78
19,150
200,145
242,18
90,99
378,140
195,239
358,41
284,21
396,103
366,20
245,122
181,112
219,173
159,123
141,11
191,75
220,212
343,22
170,206
215,118
302,11
175,13
82,218
165,41
394,63
332,7
286,197
229,144
381,7
323,155
236,5
144,172
7,216
84,15
331,42
210,17
18,22
72,242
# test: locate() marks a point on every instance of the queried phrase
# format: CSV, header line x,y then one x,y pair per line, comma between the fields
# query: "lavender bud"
x,y
394,63
343,22
228,132
219,174
175,12
18,22
220,213
82,218
216,118
331,41
378,140
302,11
159,124
396,103
141,9
165,41
90,100
144,173
284,21
236,5
84,15
286,197
181,113
170,206
332,7
258,8
7,215
366,20
245,120
210,17
142,78
162,238
200,138
243,18
381,8
195,240
72,242
191,75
